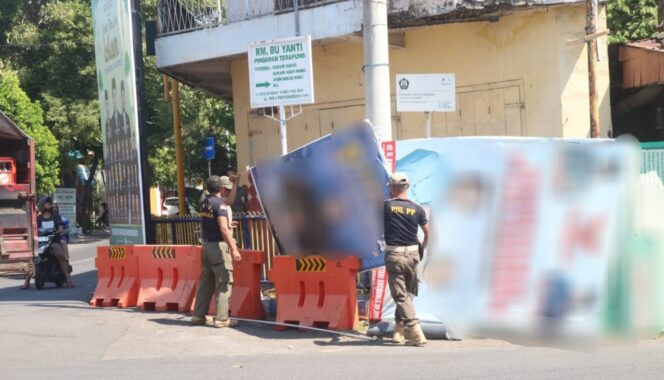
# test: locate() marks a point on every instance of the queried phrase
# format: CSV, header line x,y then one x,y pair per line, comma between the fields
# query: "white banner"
x,y
524,231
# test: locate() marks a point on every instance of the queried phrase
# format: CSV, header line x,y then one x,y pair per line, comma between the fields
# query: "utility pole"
x,y
591,28
660,4
377,68
137,35
179,151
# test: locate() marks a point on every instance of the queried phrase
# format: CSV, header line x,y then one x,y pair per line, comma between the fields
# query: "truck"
x,y
18,212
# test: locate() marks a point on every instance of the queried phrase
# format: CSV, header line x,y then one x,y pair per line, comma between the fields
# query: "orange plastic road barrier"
x,y
117,273
316,292
168,276
246,295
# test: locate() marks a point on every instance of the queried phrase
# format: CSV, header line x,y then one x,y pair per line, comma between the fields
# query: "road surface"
x,y
55,334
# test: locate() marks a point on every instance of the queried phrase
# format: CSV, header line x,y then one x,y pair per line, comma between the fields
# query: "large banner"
x,y
524,231
116,78
327,197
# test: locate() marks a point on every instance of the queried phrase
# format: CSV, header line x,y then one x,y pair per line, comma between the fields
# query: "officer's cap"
x,y
398,178
226,182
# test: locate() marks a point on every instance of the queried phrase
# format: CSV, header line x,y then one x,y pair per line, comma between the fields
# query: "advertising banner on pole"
x,y
326,198
116,77
389,150
524,232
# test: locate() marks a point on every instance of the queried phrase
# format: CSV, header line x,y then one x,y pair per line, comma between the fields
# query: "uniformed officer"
x,y
217,255
402,217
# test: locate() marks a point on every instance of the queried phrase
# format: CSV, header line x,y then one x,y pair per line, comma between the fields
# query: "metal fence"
x,y
252,233
178,16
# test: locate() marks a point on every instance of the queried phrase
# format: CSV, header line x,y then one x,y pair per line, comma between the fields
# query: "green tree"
x,y
50,45
162,166
8,12
631,20
53,53
28,115
205,116
202,116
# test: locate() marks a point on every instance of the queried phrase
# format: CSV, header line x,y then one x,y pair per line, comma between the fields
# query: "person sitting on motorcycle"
x,y
65,225
49,219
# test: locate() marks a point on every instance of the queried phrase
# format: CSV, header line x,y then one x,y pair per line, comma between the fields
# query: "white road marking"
x,y
82,261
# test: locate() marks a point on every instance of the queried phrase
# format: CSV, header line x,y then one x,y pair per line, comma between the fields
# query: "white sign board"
x,y
426,93
280,72
66,200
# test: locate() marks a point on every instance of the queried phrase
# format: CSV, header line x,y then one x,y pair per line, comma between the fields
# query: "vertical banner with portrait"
x,y
116,77
525,233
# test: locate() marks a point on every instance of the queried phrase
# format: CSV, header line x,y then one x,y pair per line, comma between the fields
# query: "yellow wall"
x,y
518,76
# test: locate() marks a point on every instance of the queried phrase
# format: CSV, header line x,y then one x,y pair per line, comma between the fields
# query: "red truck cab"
x,y
18,214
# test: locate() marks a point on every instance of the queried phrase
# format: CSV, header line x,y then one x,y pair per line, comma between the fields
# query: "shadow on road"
x,y
84,284
182,321
256,329
338,342
265,331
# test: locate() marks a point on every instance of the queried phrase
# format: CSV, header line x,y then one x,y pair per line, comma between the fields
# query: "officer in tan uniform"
x,y
217,255
402,218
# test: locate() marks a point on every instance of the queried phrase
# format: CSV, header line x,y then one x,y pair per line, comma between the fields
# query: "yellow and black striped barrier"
x,y
163,252
116,253
310,264
252,233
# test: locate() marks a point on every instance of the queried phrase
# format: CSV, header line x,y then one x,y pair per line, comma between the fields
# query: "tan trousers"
x,y
401,265
61,252
216,278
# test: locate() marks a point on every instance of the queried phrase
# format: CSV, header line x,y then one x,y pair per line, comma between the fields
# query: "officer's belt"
x,y
402,249
211,241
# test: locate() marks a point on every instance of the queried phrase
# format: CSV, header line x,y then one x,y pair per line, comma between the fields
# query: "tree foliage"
x,y
28,115
202,116
631,20
51,47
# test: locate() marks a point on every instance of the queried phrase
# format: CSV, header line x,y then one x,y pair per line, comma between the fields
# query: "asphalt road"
x,y
55,334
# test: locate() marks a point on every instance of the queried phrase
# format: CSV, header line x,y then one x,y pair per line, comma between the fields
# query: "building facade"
x,y
521,70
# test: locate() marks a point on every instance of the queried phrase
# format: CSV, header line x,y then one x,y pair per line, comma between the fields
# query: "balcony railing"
x,y
179,16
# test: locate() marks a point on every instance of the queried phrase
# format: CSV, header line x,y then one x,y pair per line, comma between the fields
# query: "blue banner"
x,y
327,197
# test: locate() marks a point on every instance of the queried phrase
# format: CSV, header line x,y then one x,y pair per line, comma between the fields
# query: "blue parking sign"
x,y
208,148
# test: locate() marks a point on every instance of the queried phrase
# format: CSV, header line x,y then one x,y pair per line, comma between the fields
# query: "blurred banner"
x,y
525,232
643,279
116,79
66,201
327,197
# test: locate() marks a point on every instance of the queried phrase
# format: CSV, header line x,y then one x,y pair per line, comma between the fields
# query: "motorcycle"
x,y
47,266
